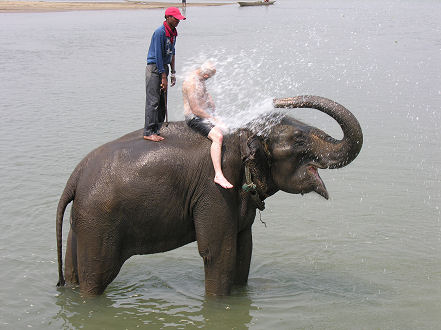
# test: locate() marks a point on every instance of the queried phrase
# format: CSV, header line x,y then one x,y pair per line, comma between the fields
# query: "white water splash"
x,y
240,100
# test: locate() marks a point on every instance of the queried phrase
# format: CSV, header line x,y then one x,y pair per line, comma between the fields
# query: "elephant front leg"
x,y
216,234
243,259
219,263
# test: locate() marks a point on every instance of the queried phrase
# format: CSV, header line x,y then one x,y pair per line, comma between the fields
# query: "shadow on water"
x,y
169,292
158,298
109,311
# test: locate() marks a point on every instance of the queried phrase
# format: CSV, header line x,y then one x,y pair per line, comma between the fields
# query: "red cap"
x,y
173,11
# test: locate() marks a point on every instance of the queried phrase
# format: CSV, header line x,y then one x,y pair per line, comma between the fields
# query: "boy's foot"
x,y
153,137
221,181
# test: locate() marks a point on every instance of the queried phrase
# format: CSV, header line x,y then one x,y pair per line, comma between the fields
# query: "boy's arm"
x,y
158,39
210,102
193,101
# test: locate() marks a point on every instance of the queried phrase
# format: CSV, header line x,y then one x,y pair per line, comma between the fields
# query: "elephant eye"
x,y
297,134
330,139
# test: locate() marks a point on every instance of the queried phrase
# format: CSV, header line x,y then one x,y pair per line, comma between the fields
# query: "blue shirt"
x,y
161,49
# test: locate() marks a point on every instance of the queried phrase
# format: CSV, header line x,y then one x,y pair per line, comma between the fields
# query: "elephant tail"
x,y
67,196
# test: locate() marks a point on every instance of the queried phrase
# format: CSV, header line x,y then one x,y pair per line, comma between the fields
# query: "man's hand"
x,y
164,82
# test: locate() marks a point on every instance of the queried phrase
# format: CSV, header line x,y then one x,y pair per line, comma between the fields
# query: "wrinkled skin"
x,y
131,196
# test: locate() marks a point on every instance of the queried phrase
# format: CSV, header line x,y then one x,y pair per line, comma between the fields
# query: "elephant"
x,y
135,197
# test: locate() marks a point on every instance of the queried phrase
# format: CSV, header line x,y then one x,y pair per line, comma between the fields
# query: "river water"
x,y
368,258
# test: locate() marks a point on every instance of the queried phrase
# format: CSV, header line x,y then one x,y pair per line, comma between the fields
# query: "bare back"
x,y
197,100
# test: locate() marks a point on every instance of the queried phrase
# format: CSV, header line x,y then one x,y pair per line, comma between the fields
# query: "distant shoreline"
x,y
47,6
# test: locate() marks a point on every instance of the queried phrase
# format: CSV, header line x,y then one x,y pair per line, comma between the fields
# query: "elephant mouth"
x,y
318,185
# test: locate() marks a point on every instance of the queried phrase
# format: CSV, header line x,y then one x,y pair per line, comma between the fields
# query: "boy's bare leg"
x,y
216,137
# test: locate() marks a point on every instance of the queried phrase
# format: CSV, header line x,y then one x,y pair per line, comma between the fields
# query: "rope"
x,y
164,94
250,187
260,218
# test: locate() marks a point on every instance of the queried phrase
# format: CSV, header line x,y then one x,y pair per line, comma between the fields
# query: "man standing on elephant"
x,y
161,54
199,115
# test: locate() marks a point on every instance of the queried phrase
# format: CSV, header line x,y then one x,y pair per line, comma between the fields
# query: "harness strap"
x,y
246,140
250,187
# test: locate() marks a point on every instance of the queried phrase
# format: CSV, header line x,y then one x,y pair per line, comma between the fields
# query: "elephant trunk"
x,y
333,153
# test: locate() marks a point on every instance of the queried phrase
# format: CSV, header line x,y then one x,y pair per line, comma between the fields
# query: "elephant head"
x,y
297,151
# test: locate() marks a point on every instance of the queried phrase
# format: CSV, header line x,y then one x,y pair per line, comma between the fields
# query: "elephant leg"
x,y
70,268
217,240
243,258
219,262
99,261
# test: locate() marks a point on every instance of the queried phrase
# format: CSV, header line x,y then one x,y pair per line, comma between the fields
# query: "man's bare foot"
x,y
153,137
220,180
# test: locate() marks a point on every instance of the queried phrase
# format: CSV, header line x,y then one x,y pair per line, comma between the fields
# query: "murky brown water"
x,y
368,258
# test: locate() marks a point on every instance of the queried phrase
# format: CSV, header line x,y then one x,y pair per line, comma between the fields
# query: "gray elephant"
x,y
133,197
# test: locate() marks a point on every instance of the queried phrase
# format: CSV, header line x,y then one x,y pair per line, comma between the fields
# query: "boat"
x,y
255,3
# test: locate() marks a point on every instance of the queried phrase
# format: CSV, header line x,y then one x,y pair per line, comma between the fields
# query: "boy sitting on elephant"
x,y
199,115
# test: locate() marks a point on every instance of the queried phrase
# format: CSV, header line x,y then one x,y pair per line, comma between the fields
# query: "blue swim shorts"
x,y
199,124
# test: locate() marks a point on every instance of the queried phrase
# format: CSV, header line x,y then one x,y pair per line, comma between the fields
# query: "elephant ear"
x,y
248,147
255,155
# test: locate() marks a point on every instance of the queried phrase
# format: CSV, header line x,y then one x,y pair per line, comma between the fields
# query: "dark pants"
x,y
155,107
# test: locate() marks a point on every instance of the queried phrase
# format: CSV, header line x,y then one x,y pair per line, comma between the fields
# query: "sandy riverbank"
x,y
46,6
